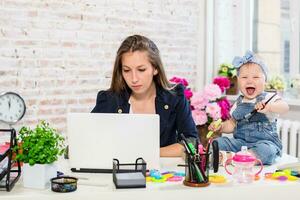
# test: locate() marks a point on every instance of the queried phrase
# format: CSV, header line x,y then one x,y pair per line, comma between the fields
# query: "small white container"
x,y
38,176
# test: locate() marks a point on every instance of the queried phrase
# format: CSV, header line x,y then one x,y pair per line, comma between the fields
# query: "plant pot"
x,y
233,90
38,176
202,132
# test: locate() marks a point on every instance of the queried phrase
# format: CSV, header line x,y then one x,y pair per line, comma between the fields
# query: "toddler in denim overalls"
x,y
258,132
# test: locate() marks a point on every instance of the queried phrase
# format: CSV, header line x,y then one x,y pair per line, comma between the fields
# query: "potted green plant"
x,y
38,149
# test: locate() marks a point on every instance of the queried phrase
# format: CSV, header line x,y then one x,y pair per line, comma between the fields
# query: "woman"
x,y
139,85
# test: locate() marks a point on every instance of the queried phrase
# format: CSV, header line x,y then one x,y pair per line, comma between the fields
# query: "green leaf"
x,y
42,144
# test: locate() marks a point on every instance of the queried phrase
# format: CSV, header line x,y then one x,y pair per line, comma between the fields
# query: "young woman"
x,y
139,85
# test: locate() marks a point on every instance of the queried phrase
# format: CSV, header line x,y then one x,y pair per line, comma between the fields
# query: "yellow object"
x,y
217,124
161,180
148,179
287,171
277,174
292,178
217,179
166,176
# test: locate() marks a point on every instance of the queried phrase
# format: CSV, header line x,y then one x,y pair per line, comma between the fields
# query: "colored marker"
x,y
217,124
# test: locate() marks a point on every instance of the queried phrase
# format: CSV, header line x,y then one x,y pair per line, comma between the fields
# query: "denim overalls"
x,y
257,133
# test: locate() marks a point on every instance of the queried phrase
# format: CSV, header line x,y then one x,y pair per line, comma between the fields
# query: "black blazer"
x,y
172,107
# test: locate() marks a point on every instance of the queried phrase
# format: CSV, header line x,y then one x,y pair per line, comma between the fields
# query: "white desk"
x,y
100,186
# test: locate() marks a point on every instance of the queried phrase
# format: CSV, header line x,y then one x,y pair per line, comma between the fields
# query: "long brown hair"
x,y
138,43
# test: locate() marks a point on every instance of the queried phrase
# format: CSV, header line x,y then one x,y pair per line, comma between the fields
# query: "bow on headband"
x,y
239,61
249,57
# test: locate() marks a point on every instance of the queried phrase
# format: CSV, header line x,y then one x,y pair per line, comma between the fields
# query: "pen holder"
x,y
197,170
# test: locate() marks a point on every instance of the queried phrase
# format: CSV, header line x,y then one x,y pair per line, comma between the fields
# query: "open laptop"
x,y
96,138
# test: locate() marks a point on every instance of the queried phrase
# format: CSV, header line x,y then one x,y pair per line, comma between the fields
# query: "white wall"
x,y
232,31
57,54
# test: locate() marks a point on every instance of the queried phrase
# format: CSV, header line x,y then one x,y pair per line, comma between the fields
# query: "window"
x,y
269,29
286,57
285,29
276,35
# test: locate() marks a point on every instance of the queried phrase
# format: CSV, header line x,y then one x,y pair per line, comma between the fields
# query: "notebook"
x,y
96,138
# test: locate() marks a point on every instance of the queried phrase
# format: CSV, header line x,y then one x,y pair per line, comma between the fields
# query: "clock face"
x,y
12,107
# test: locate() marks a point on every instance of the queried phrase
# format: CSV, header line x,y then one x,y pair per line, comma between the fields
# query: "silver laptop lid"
x,y
96,138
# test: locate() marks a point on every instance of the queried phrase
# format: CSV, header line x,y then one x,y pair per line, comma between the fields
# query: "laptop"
x,y
95,139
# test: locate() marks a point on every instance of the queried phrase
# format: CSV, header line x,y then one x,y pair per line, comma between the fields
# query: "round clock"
x,y
12,107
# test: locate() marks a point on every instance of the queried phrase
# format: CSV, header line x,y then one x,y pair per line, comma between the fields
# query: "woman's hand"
x,y
173,150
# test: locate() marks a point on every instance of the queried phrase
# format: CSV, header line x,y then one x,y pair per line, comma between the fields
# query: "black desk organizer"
x,y
140,166
197,170
197,162
8,173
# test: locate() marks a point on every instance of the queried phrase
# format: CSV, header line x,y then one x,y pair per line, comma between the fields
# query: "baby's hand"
x,y
215,126
262,107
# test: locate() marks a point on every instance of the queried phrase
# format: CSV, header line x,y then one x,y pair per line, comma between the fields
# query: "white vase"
x,y
38,176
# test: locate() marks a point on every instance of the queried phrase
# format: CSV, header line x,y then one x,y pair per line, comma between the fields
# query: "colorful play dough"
x,y
215,178
175,178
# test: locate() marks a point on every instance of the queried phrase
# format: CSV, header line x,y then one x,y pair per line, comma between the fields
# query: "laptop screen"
x,y
96,138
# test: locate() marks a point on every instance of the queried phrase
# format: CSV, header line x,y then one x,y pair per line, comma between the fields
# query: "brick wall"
x,y
58,54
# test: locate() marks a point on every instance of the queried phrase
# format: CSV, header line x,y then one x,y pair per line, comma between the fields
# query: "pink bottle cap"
x,y
243,156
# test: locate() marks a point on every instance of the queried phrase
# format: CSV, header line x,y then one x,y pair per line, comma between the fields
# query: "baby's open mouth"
x,y
250,90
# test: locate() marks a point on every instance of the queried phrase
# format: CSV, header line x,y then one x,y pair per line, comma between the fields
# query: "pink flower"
x,y
188,94
222,82
225,107
213,110
207,105
199,117
183,81
198,101
212,92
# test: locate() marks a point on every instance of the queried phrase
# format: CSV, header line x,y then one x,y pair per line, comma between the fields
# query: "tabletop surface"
x,y
100,186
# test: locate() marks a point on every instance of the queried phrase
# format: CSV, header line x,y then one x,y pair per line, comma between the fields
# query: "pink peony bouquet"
x,y
187,92
222,82
209,105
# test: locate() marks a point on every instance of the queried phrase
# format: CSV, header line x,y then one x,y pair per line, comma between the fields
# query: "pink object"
x,y
222,82
243,166
225,107
187,92
213,110
183,81
175,179
199,117
212,92
242,157
200,148
199,101
4,147
282,178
